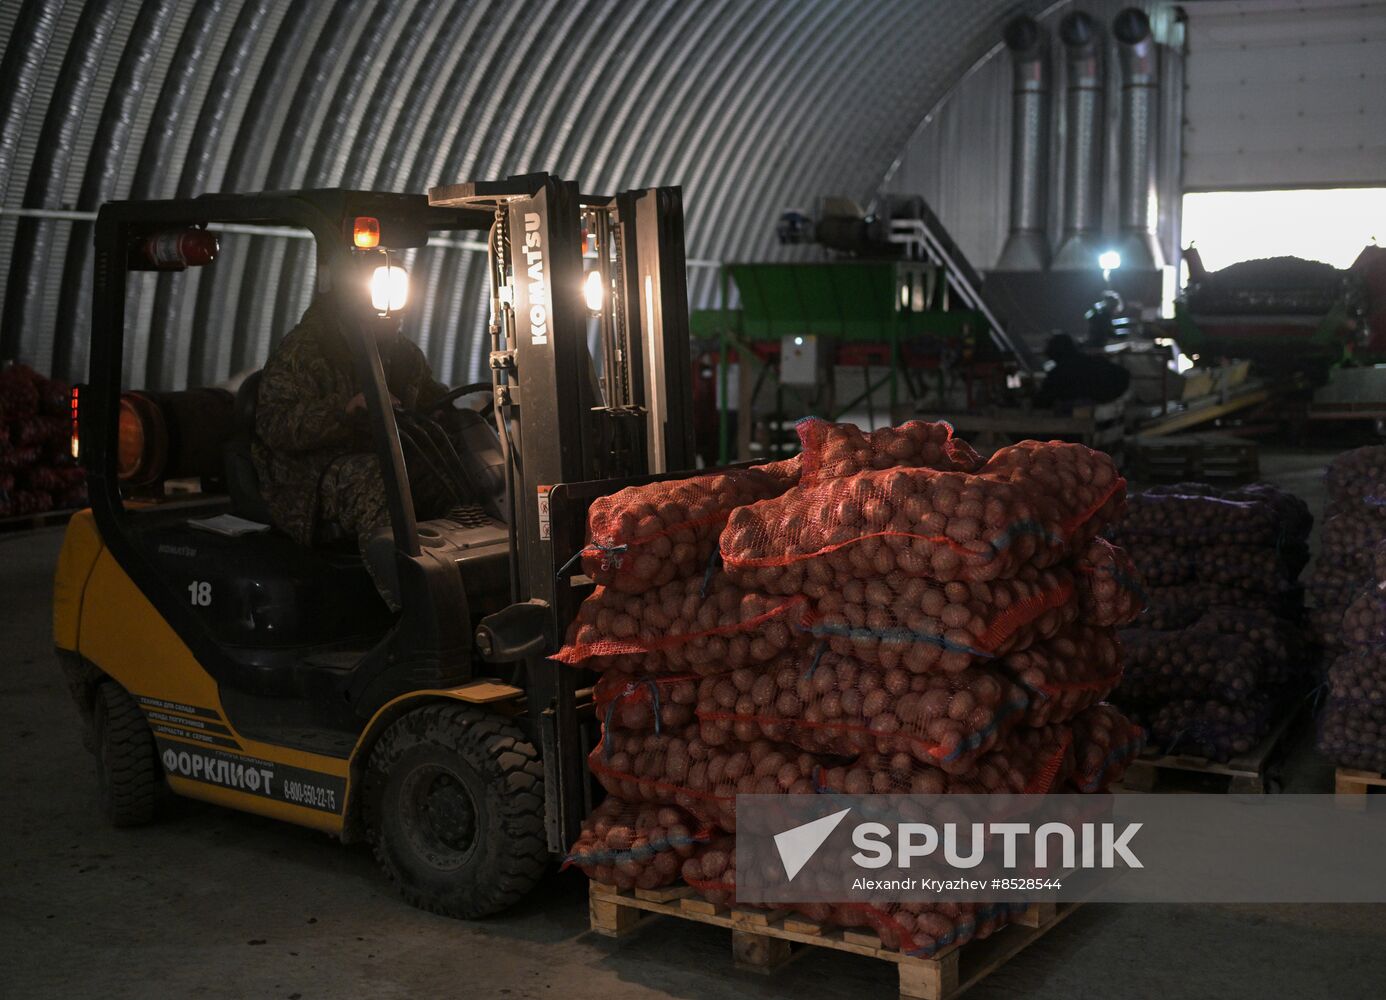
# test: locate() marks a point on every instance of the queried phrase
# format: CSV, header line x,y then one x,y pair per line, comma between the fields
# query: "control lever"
x,y
515,632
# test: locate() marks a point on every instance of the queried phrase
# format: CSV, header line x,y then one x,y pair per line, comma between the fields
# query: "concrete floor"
x,y
213,903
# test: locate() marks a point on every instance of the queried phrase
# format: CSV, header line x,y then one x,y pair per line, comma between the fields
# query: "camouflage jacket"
x,y
301,423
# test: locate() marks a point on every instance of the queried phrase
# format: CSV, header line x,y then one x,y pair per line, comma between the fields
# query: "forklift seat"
x,y
242,481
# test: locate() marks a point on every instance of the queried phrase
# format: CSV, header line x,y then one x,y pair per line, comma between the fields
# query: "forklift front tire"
x,y
128,775
455,810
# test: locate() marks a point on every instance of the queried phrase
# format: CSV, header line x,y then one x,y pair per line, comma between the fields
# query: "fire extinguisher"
x,y
173,250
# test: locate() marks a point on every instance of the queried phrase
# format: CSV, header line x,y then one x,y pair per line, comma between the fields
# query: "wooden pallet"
x,y
1347,781
1209,458
763,940
1245,774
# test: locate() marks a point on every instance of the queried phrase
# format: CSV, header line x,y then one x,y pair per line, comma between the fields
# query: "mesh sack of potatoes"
x,y
924,626
1165,666
1348,543
19,391
687,625
636,845
1066,674
644,536
1353,735
681,768
1356,482
645,702
915,928
1279,642
1358,677
1109,588
1270,571
1190,520
1029,761
1104,742
1352,728
37,470
1330,590
1364,621
1182,605
1214,729
1033,504
833,704
832,451
1295,518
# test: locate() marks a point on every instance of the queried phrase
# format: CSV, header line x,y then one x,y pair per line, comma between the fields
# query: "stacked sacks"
x,y
37,470
902,618
1219,652
1352,730
1355,521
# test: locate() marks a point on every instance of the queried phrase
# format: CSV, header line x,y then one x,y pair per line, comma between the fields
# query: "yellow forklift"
x,y
238,667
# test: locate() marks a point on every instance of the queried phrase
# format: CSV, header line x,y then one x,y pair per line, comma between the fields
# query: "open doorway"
x,y
1331,225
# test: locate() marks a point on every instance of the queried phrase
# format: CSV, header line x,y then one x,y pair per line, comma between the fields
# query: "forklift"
x,y
243,669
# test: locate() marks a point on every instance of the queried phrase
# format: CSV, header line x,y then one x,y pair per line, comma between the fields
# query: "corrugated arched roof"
x,y
751,105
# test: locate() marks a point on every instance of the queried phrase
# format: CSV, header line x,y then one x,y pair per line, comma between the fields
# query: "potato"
x,y
1348,543
1064,675
924,626
1104,743
1109,587
1358,678
1165,666
1180,606
919,928
1027,761
832,704
635,845
1031,504
833,451
1356,482
645,536
1354,735
1211,728
1193,520
682,626
681,768
645,702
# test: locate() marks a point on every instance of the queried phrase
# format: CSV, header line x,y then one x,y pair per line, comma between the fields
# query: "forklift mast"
x,y
630,424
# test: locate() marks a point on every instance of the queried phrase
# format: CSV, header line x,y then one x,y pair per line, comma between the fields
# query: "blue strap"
x,y
817,658
714,562
586,549
899,635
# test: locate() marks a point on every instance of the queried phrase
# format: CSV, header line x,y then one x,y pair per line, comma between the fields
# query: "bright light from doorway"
x,y
1327,224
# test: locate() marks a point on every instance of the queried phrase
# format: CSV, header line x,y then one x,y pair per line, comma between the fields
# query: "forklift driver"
x,y
313,451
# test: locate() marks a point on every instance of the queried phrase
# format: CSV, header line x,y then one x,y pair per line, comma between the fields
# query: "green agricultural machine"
x,y
898,303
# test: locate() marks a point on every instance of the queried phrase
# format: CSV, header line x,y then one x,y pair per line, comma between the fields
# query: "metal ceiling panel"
x,y
752,105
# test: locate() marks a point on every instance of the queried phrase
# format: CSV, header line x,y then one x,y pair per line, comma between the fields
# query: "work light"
x,y
389,288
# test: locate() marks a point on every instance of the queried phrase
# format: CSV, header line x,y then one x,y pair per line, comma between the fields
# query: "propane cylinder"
x,y
174,250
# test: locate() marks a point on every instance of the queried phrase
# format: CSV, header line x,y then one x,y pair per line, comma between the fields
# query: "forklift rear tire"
x,y
455,809
129,778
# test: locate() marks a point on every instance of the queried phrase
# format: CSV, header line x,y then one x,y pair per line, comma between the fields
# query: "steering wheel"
x,y
452,395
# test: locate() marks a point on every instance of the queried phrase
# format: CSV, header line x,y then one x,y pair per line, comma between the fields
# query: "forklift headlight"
x,y
389,288
593,291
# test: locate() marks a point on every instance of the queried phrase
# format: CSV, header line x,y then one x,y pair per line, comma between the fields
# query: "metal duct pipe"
x,y
1082,38
1140,95
1026,247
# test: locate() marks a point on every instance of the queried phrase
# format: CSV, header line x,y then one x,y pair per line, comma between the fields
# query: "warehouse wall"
x,y
959,157
1285,94
751,105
